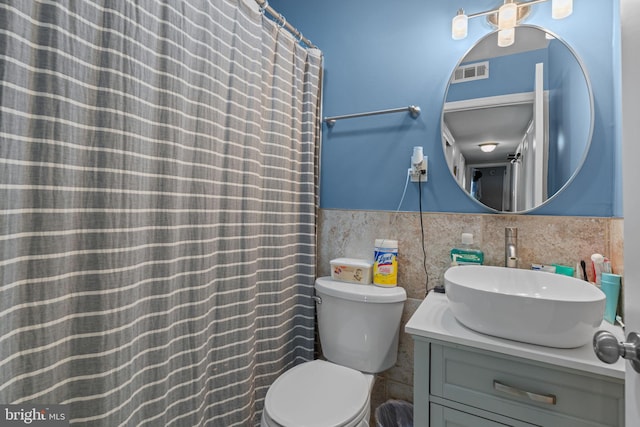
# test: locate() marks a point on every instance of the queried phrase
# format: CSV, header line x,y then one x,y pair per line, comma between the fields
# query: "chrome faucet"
x,y
511,247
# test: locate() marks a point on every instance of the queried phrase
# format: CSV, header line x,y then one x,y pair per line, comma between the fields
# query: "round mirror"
x,y
517,120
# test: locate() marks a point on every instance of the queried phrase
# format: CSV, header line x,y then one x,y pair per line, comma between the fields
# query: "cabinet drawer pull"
x,y
549,399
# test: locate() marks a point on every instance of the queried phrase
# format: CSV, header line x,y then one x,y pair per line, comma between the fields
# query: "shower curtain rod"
x,y
279,18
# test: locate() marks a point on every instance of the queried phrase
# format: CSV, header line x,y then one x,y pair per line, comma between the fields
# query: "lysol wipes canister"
x,y
385,263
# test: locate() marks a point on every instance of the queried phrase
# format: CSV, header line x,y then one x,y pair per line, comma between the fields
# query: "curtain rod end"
x,y
414,110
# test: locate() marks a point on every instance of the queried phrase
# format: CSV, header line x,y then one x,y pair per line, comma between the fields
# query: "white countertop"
x,y
434,320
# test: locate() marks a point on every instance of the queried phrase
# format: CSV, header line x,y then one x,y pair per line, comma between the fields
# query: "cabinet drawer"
x,y
531,392
443,416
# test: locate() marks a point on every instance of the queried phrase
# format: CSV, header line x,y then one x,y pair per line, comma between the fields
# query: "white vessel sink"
x,y
534,307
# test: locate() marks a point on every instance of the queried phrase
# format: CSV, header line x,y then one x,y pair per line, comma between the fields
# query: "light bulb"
x,y
507,16
459,25
506,37
560,9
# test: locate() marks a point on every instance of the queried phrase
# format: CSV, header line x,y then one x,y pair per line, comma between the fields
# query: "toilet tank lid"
x,y
359,292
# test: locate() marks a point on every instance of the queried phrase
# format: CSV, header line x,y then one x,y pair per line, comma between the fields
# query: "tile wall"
x,y
541,239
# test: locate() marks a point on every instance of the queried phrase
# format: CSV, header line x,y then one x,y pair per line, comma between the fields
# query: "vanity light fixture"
x,y
488,147
507,17
459,25
561,9
506,37
507,20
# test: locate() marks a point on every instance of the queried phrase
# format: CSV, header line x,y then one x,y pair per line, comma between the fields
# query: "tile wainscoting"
x,y
541,239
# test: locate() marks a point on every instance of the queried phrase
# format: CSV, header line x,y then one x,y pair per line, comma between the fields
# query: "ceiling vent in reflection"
x,y
477,71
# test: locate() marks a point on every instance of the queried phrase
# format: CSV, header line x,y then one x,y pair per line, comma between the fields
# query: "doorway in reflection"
x,y
491,187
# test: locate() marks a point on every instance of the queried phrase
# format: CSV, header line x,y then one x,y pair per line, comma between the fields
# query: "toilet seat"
x,y
318,394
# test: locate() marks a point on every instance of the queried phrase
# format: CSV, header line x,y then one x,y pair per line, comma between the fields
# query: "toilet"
x,y
359,328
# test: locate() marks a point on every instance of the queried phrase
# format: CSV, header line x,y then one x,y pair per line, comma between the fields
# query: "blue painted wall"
x,y
568,116
507,75
381,54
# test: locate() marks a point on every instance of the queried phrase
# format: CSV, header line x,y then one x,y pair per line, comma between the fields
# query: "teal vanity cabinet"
x,y
463,378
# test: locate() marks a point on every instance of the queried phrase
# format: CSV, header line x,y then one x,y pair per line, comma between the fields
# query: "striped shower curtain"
x,y
158,206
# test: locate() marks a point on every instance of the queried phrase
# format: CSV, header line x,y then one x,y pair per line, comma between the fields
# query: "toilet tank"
x,y
359,325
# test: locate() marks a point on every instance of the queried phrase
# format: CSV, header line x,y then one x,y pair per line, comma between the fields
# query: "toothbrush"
x,y
583,265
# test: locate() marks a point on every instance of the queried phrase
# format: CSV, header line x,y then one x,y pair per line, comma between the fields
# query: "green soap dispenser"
x,y
466,254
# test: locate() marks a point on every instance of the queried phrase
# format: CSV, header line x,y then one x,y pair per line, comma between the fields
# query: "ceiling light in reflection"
x,y
488,147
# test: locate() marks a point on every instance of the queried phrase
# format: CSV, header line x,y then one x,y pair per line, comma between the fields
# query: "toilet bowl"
x,y
359,328
319,394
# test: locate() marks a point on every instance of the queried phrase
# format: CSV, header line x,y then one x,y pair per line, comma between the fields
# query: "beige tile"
x,y
399,391
616,245
546,240
379,393
541,239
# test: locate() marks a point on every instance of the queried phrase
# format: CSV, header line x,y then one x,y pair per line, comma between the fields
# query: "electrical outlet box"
x,y
418,172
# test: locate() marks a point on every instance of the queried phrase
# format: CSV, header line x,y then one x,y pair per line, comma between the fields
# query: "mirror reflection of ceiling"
x,y
503,124
501,109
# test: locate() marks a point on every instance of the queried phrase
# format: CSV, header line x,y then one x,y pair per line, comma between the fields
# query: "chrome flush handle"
x,y
609,350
